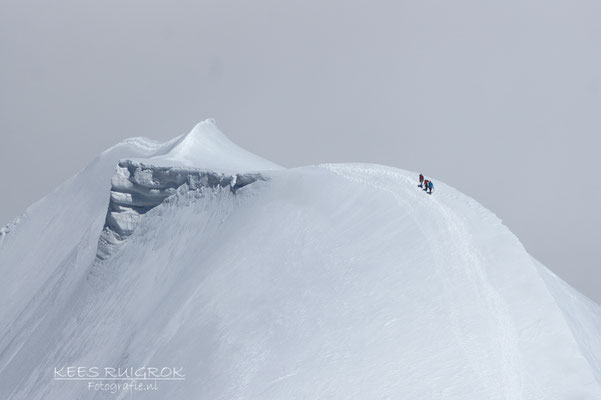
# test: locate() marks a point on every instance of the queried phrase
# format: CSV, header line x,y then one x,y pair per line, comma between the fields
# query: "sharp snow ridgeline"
x,y
333,281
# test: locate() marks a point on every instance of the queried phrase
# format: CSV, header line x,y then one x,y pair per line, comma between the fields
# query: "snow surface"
x,y
334,281
205,147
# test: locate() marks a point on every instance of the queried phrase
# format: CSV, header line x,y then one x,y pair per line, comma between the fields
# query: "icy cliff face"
x,y
137,188
337,281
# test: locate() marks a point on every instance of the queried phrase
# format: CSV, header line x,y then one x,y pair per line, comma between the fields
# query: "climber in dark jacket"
x,y
421,180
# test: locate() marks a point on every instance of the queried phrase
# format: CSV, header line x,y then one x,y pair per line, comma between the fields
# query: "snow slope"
x,y
332,281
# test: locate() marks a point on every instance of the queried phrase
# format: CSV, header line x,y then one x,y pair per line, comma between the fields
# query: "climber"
x,y
426,185
430,186
421,180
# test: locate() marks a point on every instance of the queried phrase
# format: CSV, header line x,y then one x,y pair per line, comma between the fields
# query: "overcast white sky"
x,y
500,99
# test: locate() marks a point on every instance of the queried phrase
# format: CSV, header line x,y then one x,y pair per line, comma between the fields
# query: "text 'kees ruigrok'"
x,y
111,373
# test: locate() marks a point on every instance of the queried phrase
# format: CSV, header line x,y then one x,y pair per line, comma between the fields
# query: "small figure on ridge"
x,y
421,180
430,186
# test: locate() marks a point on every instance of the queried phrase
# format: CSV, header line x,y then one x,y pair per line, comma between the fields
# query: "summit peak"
x,y
206,147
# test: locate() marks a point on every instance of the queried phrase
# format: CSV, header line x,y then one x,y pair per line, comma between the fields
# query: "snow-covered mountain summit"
x,y
201,159
205,147
333,281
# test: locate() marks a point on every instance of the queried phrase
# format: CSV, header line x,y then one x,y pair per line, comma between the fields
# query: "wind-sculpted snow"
x,y
137,188
339,281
